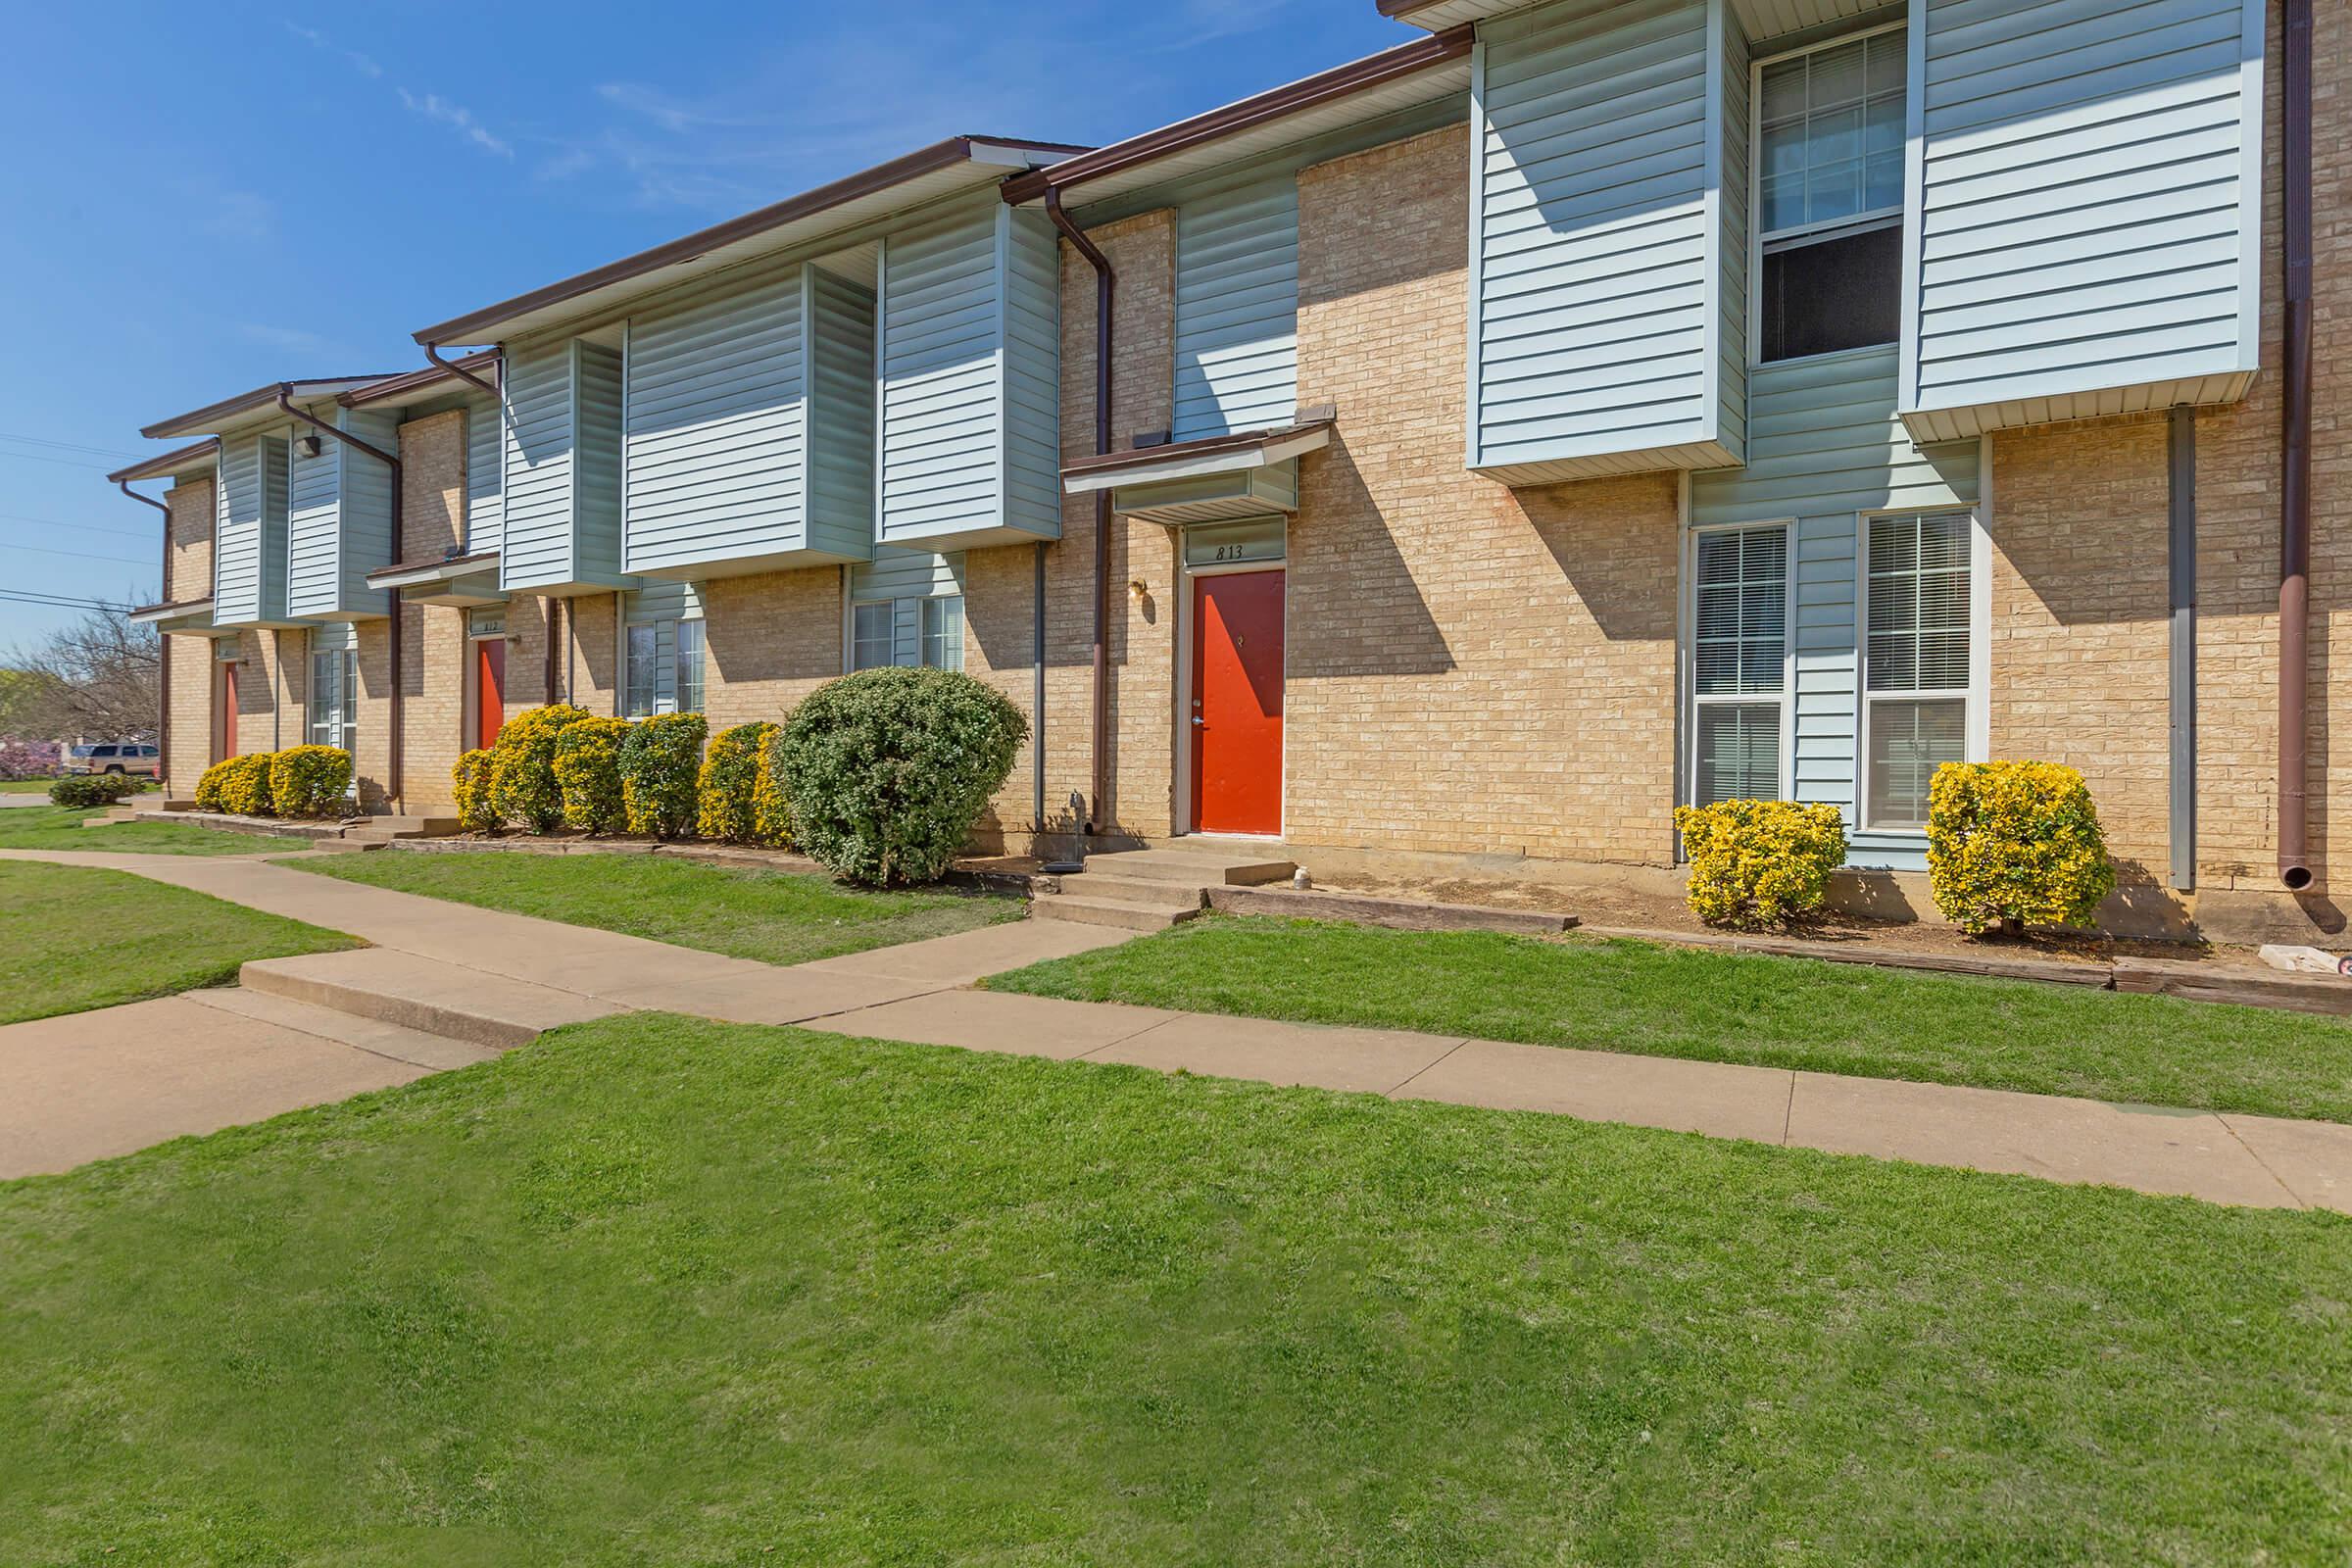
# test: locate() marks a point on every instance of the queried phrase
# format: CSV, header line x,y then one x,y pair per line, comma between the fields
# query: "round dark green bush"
x,y
887,770
94,789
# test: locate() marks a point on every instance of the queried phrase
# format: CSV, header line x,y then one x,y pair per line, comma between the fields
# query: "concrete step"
x,y
436,999
1198,867
371,1035
1126,888
1081,910
350,846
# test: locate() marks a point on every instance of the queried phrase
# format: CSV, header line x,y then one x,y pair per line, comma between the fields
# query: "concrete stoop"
x,y
1151,890
423,996
348,834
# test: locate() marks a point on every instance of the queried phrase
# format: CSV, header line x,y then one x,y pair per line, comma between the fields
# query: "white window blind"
x,y
907,631
1916,666
1740,657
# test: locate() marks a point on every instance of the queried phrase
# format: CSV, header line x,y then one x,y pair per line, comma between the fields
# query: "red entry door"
x,y
1236,703
489,690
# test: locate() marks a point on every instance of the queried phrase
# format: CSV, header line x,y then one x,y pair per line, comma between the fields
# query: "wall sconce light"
x,y
312,445
1136,586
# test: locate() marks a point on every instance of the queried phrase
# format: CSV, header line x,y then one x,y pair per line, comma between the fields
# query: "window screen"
x,y
1916,663
689,672
1829,197
869,635
641,674
1739,645
943,633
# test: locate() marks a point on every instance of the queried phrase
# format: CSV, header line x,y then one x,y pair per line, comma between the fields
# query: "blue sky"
x,y
218,196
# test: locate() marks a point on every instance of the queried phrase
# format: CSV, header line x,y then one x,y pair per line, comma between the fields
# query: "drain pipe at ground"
x,y
1106,293
2294,455
163,645
392,782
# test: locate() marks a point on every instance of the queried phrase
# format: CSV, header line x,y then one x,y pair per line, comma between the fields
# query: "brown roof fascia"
x,y
1340,81
1206,446
923,160
260,397
431,375
169,605
158,467
1405,8
403,567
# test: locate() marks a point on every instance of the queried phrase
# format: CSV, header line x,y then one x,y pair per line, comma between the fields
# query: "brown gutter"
x,y
170,463
467,329
1105,294
392,787
163,645
457,367
213,414
1373,71
2295,456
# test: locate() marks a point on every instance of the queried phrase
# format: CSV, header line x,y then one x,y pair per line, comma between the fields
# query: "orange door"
x,y
490,690
228,710
1236,703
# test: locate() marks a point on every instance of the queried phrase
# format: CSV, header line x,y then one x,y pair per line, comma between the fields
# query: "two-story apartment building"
x,y
1585,408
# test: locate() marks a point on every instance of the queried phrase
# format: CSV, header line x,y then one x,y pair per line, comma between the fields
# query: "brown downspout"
x,y
392,787
2295,456
433,351
1106,291
163,645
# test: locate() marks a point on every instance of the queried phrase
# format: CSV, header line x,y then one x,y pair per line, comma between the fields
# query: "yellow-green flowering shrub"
x,y
659,759
212,787
2014,844
309,780
588,772
245,785
771,807
522,770
726,795
475,811
1757,863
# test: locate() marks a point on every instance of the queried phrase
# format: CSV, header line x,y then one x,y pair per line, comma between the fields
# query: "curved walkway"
x,y
518,974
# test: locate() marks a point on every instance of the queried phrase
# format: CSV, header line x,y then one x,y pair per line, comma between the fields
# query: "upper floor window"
x,y
1830,196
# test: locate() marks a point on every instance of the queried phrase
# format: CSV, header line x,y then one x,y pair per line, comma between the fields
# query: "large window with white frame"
x,y
909,630
663,670
1829,200
1739,664
1918,659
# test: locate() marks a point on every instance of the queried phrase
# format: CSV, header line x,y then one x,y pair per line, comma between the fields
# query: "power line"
x,y
70,462
78,555
87,527
68,446
60,602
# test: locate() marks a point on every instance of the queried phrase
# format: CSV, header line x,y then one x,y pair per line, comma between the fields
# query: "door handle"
x,y
1202,722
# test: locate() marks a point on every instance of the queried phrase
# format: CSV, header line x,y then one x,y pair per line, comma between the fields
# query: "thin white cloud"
x,y
433,106
359,62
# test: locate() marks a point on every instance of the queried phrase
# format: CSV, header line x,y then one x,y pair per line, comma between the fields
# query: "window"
x,y
689,674
1740,663
907,631
1830,196
334,699
1917,662
641,677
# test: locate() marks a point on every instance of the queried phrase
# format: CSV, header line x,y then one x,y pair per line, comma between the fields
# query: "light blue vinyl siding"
x,y
841,419
1237,308
249,529
482,477
339,517
1600,328
968,417
1731,348
1825,445
561,494
2088,194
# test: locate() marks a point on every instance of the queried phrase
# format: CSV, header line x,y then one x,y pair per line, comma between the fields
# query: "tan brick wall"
x,y
192,740
269,690
590,649
187,666
1471,668
191,521
768,640
2080,639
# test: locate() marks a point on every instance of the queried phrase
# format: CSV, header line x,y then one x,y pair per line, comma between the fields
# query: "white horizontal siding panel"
x,y
238,501
314,523
484,477
2088,201
537,419
1605,334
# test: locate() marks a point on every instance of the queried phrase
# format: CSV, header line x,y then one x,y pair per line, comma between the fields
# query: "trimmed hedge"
x,y
309,780
588,773
660,759
477,812
94,789
1757,863
522,768
2014,844
887,770
726,796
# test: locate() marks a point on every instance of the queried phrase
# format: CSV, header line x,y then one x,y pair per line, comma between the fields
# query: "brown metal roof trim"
x,y
923,160
1405,8
261,397
403,567
1340,81
1206,446
171,607
170,463
415,380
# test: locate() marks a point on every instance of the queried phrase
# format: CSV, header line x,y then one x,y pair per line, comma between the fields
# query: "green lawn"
x,y
59,827
1660,1000
24,786
776,917
73,937
657,1291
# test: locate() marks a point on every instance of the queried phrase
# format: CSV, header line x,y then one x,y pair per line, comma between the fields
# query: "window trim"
x,y
1784,239
1976,714
1785,695
849,629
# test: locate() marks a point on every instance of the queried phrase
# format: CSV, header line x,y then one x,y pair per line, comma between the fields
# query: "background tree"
x,y
99,676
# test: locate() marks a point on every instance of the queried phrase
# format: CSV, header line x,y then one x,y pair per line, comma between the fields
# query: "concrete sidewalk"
x,y
492,979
